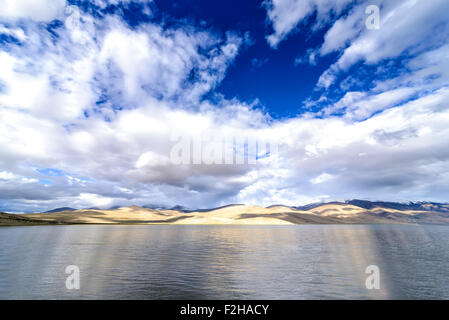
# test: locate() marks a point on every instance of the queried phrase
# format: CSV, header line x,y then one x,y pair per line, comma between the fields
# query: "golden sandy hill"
x,y
326,213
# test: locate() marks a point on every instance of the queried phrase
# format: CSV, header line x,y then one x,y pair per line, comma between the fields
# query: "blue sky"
x,y
259,72
94,93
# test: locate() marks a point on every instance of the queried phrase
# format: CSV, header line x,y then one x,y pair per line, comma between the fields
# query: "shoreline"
x,y
327,213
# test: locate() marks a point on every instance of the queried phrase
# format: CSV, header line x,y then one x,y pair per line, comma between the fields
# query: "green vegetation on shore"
x,y
17,220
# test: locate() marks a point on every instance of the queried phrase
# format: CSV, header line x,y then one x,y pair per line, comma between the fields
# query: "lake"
x,y
224,262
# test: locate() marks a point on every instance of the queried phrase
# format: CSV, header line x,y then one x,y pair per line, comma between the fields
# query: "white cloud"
x,y
7,175
93,200
285,15
360,105
343,30
151,159
14,178
321,178
406,27
101,102
38,10
14,32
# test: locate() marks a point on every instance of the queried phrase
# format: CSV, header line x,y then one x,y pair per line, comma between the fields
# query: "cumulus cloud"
x,y
96,86
91,109
285,15
406,56
38,10
406,28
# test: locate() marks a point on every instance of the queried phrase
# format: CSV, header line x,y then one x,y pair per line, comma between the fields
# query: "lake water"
x,y
225,262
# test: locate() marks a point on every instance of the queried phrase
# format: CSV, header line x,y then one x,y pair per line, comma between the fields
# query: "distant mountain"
x,y
60,209
349,212
156,207
114,207
179,208
216,208
365,204
315,205
425,206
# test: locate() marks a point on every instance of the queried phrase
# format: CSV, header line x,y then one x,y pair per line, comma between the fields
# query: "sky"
x,y
95,96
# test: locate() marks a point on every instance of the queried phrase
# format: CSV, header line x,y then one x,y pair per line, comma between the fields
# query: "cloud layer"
x,y
91,108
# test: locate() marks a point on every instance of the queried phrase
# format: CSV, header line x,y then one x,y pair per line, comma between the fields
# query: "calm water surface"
x,y
225,262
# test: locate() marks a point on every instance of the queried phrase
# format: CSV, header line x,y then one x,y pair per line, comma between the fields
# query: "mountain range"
x,y
349,212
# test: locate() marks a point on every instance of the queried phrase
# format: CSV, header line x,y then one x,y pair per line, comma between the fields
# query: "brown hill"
x,y
7,219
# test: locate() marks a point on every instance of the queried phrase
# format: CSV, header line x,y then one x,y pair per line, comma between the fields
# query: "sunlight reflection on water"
x,y
225,262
